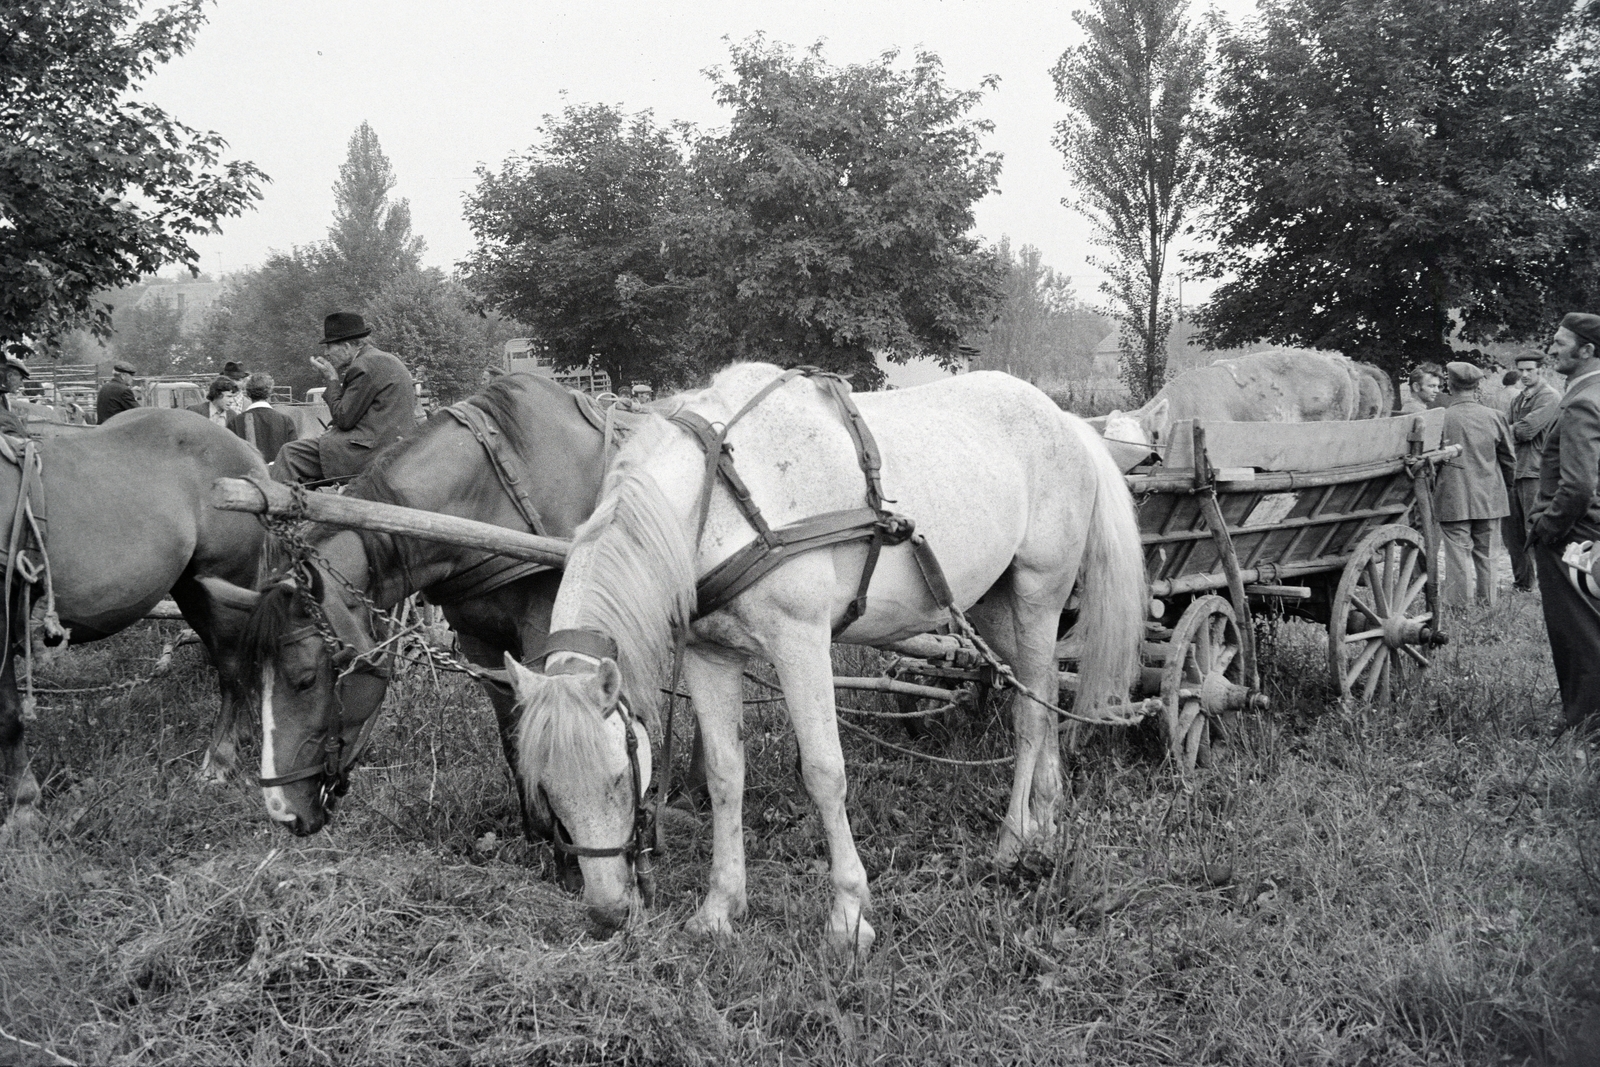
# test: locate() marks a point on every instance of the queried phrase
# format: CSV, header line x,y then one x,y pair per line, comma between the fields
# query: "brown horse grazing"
x,y
127,522
308,630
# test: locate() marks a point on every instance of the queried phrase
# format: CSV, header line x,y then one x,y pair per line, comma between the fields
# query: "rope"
x,y
870,736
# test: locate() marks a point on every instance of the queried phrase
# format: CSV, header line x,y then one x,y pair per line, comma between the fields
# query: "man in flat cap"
x,y
1531,414
1470,497
369,396
116,395
1568,511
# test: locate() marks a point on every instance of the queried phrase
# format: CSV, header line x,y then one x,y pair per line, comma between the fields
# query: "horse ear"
x,y
227,594
609,679
524,683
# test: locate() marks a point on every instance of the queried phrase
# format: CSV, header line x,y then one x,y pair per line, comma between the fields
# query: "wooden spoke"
x,y
1361,663
1375,584
1375,674
1408,570
1371,612
1364,635
1415,589
1421,660
1225,658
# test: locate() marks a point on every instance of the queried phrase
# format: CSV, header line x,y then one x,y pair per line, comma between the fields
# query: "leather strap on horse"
x,y
872,523
483,427
583,642
29,517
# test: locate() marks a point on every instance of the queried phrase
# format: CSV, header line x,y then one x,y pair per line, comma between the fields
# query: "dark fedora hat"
x,y
343,326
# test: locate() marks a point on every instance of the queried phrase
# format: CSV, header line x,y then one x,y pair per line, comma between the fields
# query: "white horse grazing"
x,y
1019,500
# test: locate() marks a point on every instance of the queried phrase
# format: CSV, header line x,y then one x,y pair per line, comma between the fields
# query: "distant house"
x,y
192,299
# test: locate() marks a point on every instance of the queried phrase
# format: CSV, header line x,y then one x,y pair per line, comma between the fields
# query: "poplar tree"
x,y
1132,148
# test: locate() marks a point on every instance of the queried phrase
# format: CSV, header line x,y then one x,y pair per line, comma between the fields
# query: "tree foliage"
x,y
270,317
570,241
96,187
1382,163
828,222
370,242
837,215
1042,331
1131,145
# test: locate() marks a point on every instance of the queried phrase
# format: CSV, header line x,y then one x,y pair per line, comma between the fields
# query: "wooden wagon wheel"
x,y
1380,612
1203,678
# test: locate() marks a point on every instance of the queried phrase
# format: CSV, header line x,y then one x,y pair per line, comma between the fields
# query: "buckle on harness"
x,y
894,529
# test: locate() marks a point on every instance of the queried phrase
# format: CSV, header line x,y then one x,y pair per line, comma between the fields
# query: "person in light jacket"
x,y
1470,497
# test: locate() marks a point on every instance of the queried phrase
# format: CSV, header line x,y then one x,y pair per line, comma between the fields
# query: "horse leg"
x,y
1019,620
715,682
219,627
16,778
799,651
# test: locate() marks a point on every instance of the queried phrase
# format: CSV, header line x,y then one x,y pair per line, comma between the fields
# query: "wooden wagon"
x,y
1328,521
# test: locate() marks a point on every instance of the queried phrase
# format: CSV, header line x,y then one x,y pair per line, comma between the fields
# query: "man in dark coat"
x,y
260,423
116,395
1470,498
1532,413
370,400
1568,512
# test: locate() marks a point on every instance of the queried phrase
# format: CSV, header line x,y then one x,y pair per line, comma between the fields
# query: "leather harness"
x,y
772,547
491,572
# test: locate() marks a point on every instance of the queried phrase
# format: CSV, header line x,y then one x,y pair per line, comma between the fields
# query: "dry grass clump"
x,y
1417,884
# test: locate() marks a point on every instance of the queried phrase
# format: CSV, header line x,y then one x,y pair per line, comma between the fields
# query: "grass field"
x,y
1417,885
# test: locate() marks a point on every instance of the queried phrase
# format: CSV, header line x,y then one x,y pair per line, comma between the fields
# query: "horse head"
x,y
321,682
588,758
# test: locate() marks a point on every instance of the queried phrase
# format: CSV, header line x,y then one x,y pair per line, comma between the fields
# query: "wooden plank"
x,y
1303,446
262,497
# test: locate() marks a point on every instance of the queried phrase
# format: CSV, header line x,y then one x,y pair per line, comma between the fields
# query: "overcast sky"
x,y
450,86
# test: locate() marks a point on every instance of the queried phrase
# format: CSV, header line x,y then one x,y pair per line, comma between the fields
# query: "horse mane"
x,y
631,576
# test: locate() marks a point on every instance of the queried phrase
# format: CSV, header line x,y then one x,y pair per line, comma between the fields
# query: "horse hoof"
x,y
21,829
708,927
854,937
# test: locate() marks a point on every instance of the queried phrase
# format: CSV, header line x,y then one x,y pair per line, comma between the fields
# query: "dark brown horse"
x,y
127,523
307,630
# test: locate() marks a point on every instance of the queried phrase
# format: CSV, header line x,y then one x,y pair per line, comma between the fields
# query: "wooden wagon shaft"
x,y
261,497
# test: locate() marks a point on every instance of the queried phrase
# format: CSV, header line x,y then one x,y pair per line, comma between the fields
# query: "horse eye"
x,y
300,681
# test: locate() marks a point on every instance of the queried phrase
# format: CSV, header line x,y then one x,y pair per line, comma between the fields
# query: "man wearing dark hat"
x,y
116,395
1567,512
1470,497
370,399
1531,414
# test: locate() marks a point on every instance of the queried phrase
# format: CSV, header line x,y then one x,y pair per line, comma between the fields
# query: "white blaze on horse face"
x,y
277,803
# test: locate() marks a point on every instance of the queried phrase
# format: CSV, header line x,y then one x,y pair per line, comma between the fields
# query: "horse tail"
x,y
1112,589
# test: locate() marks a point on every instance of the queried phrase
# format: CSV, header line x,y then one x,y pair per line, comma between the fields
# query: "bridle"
x,y
349,657
638,848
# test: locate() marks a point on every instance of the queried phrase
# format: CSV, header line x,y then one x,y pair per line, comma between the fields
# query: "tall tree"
x,y
370,241
96,187
570,238
1390,166
1131,146
836,215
